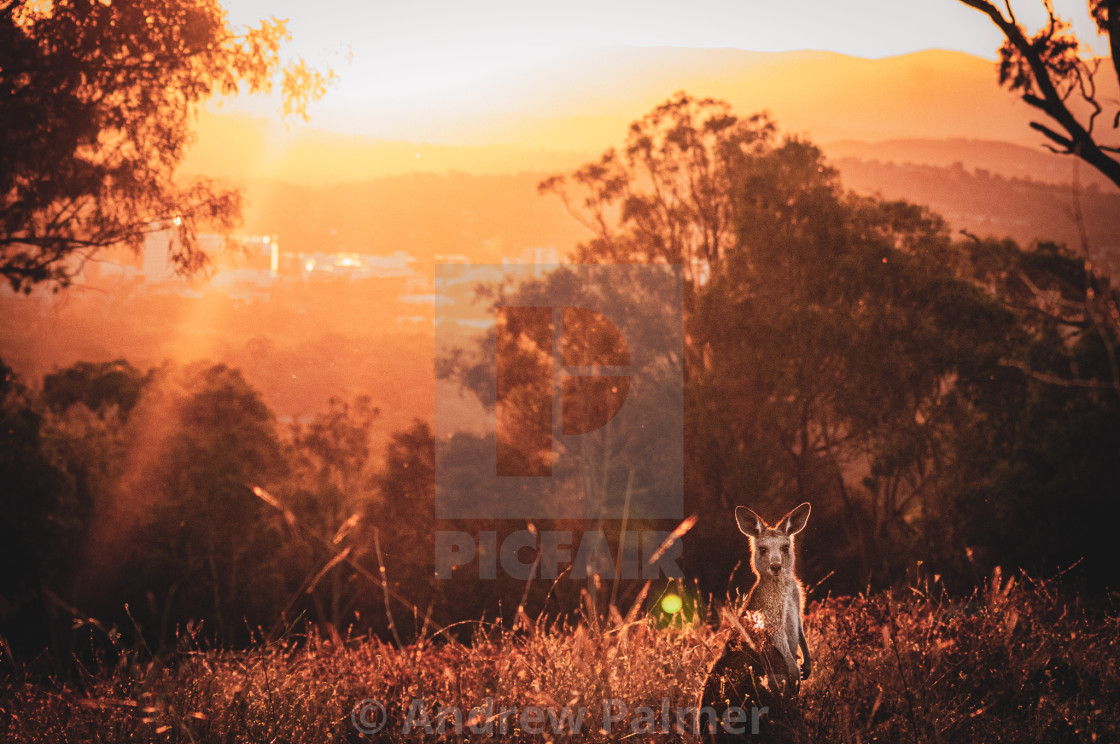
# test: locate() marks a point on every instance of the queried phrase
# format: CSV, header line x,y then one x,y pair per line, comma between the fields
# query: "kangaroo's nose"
x,y
775,568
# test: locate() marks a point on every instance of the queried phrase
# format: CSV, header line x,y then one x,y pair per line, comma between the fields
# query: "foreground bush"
x,y
1016,661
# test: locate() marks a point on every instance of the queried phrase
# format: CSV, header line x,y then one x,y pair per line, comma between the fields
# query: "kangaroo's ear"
x,y
750,524
795,521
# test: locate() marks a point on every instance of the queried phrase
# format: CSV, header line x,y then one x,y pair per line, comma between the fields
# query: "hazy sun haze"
x,y
568,114
545,292
400,63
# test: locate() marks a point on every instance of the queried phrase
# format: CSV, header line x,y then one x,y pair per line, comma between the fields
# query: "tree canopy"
x,y
845,350
97,101
667,197
944,404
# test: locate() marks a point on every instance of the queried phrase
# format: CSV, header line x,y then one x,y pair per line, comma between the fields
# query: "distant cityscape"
x,y
248,266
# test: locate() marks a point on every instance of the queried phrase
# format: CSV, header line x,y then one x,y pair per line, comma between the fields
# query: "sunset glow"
x,y
381,370
403,64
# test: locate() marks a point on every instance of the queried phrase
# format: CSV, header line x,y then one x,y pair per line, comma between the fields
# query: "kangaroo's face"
x,y
772,547
773,552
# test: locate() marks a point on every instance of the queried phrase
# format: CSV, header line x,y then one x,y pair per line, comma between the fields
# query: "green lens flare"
x,y
671,604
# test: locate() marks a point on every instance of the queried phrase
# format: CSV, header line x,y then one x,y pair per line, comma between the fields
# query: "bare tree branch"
x,y
1050,379
1053,67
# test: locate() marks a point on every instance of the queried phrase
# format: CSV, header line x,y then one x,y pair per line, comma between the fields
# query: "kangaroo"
x,y
757,671
774,607
777,592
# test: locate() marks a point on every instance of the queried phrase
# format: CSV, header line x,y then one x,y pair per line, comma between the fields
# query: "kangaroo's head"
x,y
772,547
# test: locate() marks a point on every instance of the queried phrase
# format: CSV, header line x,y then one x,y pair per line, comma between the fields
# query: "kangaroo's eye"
x,y
785,549
762,550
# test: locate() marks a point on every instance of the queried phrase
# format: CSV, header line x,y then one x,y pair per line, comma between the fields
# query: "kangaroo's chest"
x,y
780,605
772,600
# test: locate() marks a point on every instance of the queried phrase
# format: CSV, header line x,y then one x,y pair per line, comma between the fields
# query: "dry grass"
x,y
1017,661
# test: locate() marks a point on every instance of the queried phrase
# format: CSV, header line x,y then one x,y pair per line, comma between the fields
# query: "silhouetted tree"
x,y
182,535
844,350
1049,72
96,107
327,493
1046,439
98,386
667,196
32,492
403,515
85,434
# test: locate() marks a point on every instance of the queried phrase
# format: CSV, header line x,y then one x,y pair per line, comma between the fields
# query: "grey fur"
x,y
777,593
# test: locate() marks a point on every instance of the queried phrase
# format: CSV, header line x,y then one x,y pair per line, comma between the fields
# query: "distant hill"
x,y
491,217
932,127
828,96
1007,159
556,117
986,203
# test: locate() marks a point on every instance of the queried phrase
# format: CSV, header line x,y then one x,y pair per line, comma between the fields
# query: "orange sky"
x,y
400,63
